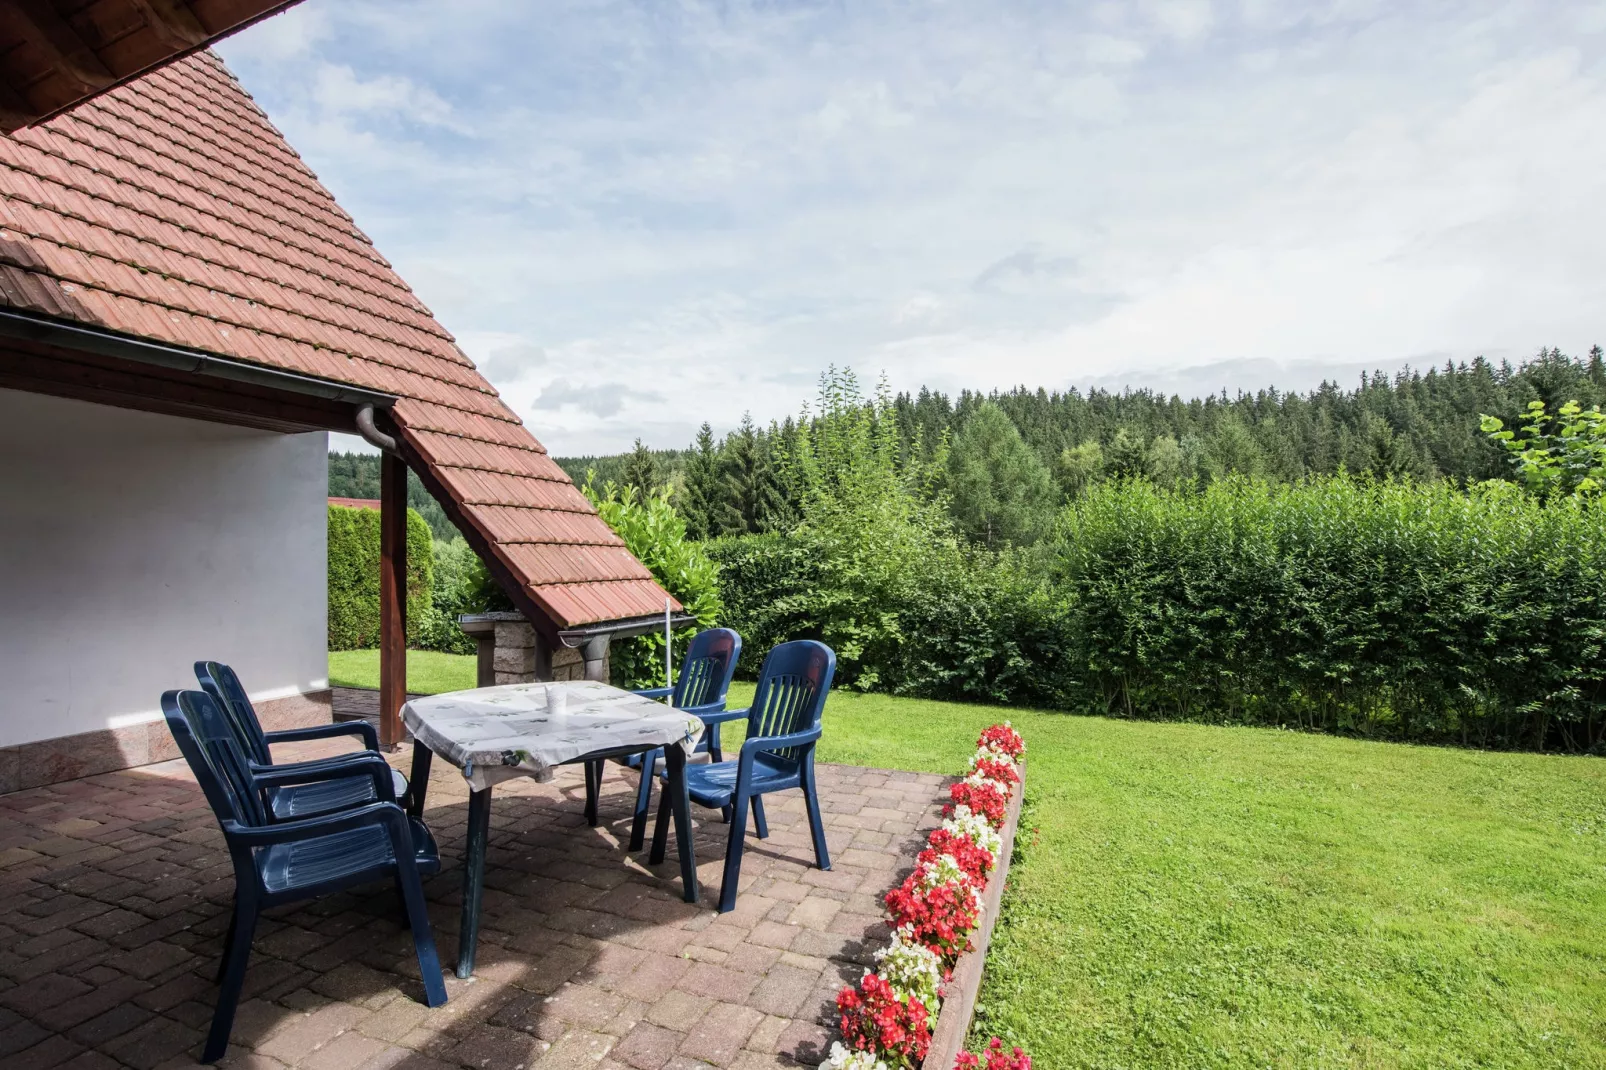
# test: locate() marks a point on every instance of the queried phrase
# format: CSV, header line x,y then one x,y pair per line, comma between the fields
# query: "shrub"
x,y
1406,611
455,568
1391,609
656,535
874,1019
354,577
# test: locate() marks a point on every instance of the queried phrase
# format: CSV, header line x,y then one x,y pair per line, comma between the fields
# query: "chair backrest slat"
x,y
209,743
706,671
221,682
792,688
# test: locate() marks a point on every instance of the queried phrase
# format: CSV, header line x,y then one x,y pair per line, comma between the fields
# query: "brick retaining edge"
x,y
953,1020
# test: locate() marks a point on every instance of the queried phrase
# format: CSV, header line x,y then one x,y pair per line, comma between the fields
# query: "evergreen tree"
x,y
1125,455
701,497
1233,449
1418,425
641,471
751,499
1001,491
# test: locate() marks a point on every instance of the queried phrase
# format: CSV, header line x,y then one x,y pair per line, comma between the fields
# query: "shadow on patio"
x,y
116,891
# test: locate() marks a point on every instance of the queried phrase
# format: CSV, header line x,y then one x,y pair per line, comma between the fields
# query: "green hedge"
x,y
1403,611
1409,611
354,577
948,622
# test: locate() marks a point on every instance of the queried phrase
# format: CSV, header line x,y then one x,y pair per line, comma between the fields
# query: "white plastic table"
x,y
494,734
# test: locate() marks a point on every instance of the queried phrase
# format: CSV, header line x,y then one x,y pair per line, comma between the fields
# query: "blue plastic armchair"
x,y
302,799
288,861
704,680
783,725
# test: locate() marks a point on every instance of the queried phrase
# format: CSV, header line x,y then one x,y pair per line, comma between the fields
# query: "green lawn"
x,y
428,672
1196,896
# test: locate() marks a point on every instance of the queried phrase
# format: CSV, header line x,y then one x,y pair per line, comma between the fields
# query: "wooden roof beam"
x,y
15,111
36,22
173,23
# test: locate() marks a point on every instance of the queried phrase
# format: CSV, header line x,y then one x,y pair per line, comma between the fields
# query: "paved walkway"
x,y
115,891
357,703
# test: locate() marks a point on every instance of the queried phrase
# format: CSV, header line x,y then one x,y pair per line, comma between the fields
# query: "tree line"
x,y
1009,460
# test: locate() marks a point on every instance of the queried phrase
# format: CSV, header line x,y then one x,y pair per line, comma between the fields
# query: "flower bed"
x,y
940,916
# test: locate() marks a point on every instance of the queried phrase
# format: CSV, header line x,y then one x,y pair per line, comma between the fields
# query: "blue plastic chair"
x,y
278,862
300,800
783,725
705,678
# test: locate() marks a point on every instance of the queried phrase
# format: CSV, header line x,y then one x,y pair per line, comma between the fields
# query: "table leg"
x,y
593,789
418,782
675,790
479,827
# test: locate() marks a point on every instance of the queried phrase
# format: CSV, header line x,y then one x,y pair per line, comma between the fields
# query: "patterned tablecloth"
x,y
497,733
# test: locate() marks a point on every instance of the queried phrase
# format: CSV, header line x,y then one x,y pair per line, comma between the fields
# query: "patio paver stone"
x,y
115,892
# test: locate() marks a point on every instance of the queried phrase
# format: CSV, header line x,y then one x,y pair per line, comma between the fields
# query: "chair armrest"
x,y
352,762
654,692
306,828
375,767
770,743
324,731
718,716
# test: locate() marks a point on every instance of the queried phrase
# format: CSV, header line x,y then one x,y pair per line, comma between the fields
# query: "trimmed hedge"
x,y
354,577
1394,610
1406,611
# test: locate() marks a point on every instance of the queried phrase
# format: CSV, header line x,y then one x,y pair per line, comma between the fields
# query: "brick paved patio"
x,y
115,890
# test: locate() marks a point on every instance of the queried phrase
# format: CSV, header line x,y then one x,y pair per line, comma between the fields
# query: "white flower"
x,y
974,827
990,754
912,969
848,1059
945,870
942,871
976,780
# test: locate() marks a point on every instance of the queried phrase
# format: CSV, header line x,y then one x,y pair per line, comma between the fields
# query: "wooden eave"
x,y
56,54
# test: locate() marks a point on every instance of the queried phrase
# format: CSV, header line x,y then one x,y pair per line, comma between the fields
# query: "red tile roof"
x,y
170,208
356,503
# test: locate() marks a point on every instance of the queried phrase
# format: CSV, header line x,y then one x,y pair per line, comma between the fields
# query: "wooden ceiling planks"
x,y
55,54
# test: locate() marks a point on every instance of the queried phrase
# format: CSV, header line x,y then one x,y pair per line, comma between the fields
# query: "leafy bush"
x,y
455,579
1390,609
354,577
1570,460
876,571
1409,611
656,535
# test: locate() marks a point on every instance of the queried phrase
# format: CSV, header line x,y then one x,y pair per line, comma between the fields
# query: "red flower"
x,y
875,1020
975,861
997,1059
988,799
941,918
998,769
1003,737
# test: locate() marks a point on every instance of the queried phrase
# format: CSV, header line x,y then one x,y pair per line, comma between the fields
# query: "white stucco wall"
x,y
132,545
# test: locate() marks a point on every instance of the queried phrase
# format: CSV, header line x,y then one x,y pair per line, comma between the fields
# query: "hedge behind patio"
x,y
354,577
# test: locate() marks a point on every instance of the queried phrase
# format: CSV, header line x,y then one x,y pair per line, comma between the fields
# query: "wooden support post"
x,y
392,598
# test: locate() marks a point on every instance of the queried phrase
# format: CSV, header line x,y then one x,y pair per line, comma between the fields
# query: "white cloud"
x,y
598,399
1184,20
337,89
638,217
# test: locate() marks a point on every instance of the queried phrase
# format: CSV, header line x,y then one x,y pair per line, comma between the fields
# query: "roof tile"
x,y
170,208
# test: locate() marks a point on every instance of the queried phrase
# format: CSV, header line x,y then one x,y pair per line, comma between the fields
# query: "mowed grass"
x,y
1199,896
428,672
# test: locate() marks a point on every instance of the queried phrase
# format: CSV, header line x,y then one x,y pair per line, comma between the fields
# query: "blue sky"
x,y
637,216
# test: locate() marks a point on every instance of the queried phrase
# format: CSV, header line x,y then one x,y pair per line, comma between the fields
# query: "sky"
x,y
639,216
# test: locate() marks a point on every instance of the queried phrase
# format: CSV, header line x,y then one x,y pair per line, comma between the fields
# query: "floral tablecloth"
x,y
498,733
